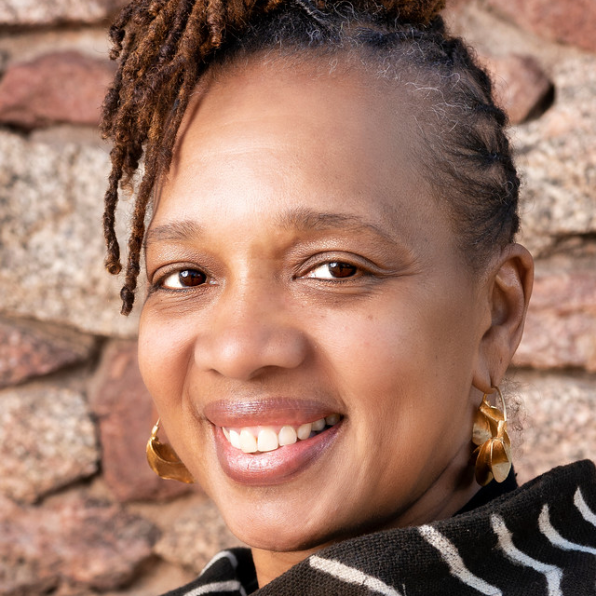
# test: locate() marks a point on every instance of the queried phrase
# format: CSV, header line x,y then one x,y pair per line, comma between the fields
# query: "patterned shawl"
x,y
538,540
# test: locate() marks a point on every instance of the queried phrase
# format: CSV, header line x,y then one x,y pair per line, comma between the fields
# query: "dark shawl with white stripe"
x,y
537,540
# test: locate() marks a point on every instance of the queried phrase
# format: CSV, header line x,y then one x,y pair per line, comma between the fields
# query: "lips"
x,y
265,412
265,442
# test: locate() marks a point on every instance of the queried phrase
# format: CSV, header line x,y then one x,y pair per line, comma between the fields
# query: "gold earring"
x,y
164,461
493,451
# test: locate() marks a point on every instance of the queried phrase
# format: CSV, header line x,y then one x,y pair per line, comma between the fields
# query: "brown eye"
x,y
334,270
339,269
188,278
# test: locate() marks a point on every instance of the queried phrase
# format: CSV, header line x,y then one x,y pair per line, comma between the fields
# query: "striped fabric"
x,y
538,540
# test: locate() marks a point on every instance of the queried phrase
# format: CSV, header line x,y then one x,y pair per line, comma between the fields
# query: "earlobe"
x,y
508,295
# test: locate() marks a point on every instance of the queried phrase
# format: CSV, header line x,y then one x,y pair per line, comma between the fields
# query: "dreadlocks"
x,y
166,46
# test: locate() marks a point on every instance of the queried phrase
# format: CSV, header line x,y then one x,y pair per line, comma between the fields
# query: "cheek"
x,y
424,338
412,361
165,349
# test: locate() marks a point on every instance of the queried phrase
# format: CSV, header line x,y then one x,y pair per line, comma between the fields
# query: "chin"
x,y
264,526
282,540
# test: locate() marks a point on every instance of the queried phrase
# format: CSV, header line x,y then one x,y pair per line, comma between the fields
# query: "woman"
x,y
334,296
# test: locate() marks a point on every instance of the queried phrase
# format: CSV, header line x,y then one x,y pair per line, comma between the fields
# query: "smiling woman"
x,y
334,292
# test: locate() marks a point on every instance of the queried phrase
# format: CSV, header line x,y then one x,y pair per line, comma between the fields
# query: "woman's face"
x,y
301,269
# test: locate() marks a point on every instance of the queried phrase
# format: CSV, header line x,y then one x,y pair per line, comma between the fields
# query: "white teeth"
x,y
318,425
267,440
235,439
332,419
287,436
248,443
304,431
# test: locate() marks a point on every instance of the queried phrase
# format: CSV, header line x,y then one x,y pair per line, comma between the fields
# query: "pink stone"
x,y
561,322
520,84
124,409
74,542
29,350
54,88
570,22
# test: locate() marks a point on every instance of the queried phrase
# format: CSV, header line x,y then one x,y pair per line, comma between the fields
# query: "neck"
x,y
271,564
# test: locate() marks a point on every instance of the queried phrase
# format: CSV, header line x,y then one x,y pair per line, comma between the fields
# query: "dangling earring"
x,y
164,461
493,454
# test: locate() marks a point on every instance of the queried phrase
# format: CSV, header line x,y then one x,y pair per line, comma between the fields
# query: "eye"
x,y
334,270
187,278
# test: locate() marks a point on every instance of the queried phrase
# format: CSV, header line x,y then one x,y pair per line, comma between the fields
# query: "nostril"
x,y
246,351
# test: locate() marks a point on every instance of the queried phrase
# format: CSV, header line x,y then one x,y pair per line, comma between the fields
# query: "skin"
x,y
403,349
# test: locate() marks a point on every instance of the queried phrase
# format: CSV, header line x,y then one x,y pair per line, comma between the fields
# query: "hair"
x,y
165,48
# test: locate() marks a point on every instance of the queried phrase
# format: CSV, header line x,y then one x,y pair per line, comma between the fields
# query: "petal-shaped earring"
x,y
493,452
164,461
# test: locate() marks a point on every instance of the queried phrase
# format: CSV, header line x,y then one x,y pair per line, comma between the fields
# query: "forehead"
x,y
303,134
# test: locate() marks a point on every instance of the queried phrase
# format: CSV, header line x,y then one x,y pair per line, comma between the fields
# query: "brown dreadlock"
x,y
165,47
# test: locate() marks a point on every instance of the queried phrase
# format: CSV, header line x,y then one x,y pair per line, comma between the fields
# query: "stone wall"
x,y
80,512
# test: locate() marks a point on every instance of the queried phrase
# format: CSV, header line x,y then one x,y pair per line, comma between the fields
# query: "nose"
x,y
250,331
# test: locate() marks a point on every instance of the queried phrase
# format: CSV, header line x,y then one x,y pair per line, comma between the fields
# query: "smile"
x,y
263,439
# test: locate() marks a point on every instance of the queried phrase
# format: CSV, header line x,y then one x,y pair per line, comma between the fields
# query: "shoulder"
x,y
231,573
539,539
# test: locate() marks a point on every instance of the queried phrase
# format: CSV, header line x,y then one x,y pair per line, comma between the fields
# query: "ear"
x,y
509,287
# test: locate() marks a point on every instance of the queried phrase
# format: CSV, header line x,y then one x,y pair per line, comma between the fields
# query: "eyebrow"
x,y
177,231
307,220
301,219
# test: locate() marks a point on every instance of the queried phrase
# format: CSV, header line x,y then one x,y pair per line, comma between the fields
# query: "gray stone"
x,y
559,421
32,43
62,135
27,13
47,440
51,238
557,159
155,577
195,537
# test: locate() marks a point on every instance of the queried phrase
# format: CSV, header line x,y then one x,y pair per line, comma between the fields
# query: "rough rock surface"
x,y
26,13
29,350
154,577
72,545
54,88
557,159
51,204
521,85
559,20
559,424
561,322
30,44
195,537
47,440
124,409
